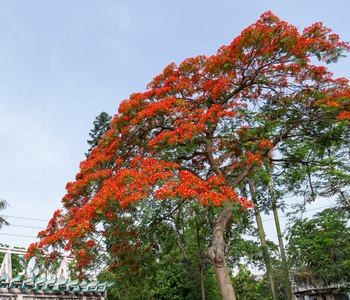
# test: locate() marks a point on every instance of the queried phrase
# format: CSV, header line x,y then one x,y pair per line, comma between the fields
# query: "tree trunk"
x,y
266,255
280,241
216,254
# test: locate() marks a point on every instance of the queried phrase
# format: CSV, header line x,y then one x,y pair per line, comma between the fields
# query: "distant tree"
x,y
249,288
320,247
101,126
3,205
17,261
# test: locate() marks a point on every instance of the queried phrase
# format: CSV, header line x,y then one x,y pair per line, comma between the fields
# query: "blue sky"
x,y
63,62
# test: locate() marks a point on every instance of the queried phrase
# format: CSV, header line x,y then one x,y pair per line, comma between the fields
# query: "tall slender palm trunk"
x,y
261,231
280,241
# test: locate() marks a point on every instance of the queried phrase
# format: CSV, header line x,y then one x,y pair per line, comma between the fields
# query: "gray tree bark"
x,y
216,254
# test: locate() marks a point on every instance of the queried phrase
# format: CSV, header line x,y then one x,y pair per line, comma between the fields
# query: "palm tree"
x,y
3,205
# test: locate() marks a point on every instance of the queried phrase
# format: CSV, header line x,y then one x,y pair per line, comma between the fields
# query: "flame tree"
x,y
196,133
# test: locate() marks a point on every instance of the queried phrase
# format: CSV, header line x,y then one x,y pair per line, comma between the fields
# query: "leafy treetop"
x,y
101,126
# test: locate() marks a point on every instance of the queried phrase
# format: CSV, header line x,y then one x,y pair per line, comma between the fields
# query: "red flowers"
x,y
344,115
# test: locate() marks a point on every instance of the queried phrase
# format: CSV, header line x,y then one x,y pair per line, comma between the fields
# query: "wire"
x,y
24,226
23,218
27,236
282,217
34,227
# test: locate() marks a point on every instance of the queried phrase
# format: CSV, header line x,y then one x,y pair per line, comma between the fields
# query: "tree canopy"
x,y
198,130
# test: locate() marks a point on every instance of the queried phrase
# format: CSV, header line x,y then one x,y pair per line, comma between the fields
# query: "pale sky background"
x,y
64,62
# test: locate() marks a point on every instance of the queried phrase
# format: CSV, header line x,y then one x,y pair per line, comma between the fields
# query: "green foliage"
x,y
162,276
174,283
247,287
315,163
169,282
320,247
